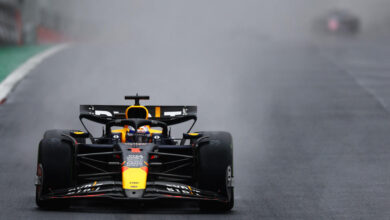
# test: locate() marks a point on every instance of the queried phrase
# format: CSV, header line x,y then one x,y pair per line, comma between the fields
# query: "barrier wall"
x,y
10,24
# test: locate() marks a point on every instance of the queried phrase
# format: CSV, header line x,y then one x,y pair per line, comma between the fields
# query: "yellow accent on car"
x,y
158,112
193,134
123,132
189,187
78,132
134,178
137,106
154,131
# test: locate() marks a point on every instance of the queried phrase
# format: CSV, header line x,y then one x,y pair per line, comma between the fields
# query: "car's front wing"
x,y
154,190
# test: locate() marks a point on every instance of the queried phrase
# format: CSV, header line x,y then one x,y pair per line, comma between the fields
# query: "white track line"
x,y
17,75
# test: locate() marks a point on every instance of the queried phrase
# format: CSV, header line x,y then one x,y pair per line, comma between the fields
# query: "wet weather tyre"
x,y
54,169
215,169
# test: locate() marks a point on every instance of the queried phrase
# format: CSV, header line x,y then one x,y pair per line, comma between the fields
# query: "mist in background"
x,y
161,40
28,21
41,21
158,41
181,20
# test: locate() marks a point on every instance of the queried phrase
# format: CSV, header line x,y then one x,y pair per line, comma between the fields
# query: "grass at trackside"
x,y
11,57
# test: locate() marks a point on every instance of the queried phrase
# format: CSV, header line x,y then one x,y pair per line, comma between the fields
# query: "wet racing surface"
x,y
310,121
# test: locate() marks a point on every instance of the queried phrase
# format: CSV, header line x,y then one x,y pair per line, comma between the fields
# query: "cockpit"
x,y
129,134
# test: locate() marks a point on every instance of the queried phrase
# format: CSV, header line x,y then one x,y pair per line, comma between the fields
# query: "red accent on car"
x,y
81,196
145,169
39,170
174,196
124,168
135,150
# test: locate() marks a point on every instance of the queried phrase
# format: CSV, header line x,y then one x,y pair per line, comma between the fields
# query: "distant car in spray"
x,y
339,22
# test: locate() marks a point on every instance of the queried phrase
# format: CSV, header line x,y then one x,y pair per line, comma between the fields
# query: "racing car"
x,y
338,22
135,159
342,21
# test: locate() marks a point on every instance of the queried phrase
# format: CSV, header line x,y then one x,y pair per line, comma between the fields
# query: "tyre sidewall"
x,y
215,156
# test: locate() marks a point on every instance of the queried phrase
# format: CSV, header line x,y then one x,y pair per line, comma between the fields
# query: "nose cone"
x,y
135,168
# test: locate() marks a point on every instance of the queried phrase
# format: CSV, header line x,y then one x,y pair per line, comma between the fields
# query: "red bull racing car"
x,y
135,158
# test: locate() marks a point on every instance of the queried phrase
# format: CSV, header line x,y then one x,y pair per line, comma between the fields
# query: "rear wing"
x,y
156,112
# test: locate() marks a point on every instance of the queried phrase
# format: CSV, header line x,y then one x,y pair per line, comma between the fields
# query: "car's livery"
x,y
135,159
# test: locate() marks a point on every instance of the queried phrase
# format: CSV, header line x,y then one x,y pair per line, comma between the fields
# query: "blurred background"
x,y
44,21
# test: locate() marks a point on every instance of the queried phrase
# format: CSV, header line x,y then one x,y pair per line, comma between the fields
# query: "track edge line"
x,y
10,82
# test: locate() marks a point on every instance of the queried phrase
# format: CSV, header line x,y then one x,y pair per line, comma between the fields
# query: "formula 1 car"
x,y
341,21
337,22
135,159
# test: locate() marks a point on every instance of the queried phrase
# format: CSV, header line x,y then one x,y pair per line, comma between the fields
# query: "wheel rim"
x,y
39,181
229,177
229,183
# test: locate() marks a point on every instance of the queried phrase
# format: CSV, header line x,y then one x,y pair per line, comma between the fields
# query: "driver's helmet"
x,y
141,130
141,136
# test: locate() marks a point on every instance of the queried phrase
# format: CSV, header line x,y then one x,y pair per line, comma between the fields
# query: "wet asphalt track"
x,y
310,122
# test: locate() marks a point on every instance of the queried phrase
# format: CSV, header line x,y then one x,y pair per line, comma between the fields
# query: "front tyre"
x,y
215,169
54,170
